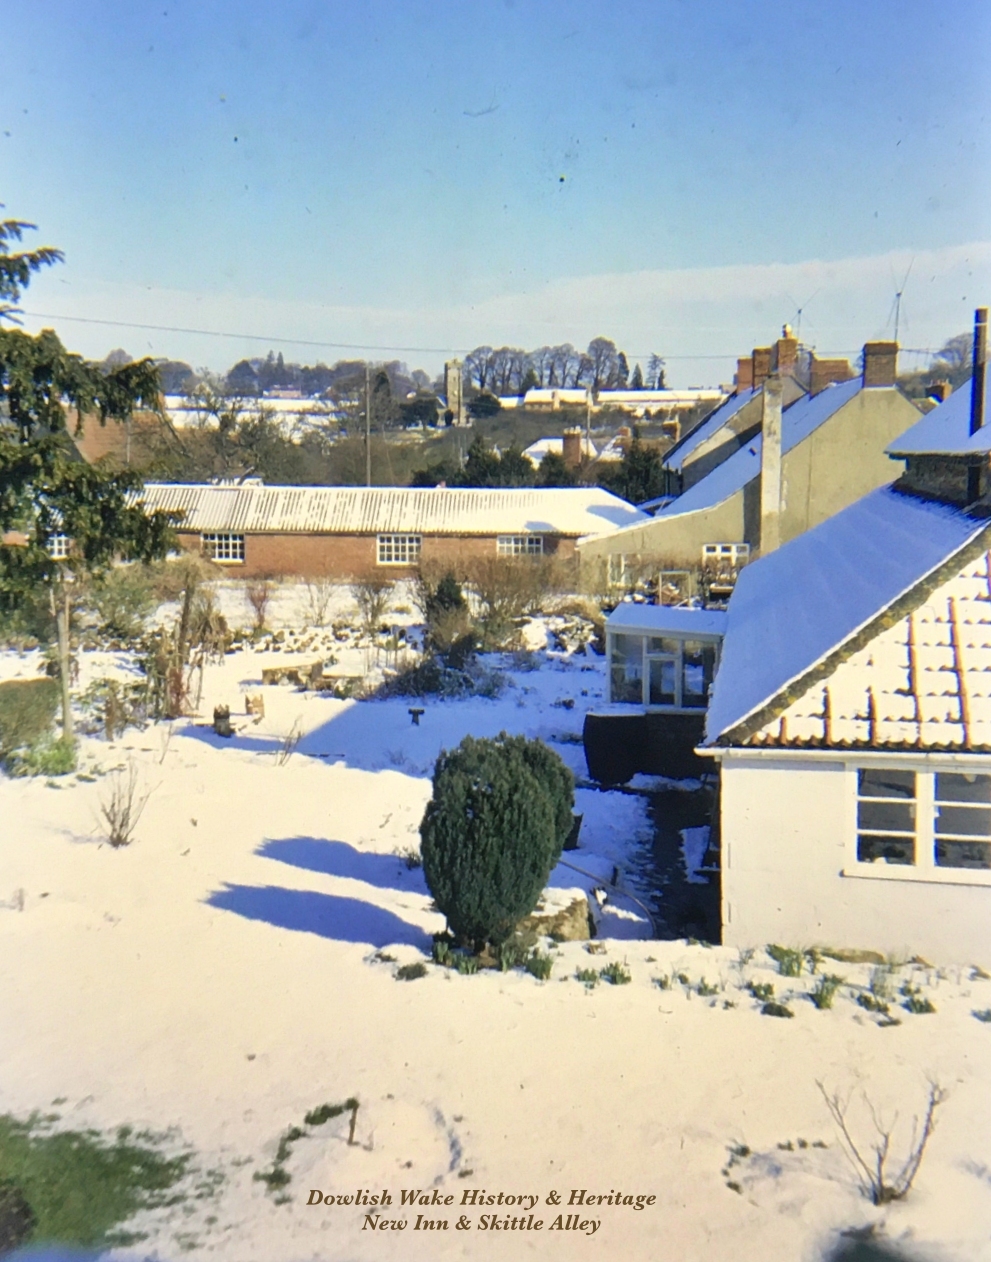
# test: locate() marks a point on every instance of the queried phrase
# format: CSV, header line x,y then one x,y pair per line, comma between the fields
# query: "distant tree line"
x,y
508,370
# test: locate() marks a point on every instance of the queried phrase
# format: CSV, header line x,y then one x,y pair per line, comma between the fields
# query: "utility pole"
x,y
368,425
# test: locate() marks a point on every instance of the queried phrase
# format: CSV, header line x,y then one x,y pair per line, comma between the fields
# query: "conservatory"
x,y
663,657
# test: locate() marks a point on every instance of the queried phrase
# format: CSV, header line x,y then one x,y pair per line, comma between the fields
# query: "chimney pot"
x,y
784,359
880,363
744,378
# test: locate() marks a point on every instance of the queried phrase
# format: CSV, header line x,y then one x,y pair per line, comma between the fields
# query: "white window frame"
x,y
618,569
398,549
648,656
924,868
223,547
734,553
58,547
520,545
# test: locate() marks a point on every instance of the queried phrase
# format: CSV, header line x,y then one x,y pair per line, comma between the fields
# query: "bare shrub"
x,y
504,590
289,742
174,656
122,810
371,595
259,594
871,1162
319,594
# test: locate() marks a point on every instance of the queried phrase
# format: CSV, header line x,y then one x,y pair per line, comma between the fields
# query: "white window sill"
x,y
907,872
217,561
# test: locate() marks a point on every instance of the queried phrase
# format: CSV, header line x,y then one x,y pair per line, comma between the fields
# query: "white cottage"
x,y
851,717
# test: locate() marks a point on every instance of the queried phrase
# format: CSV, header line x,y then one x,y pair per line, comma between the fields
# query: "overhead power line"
x,y
369,346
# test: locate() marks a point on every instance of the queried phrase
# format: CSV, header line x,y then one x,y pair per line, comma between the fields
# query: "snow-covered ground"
x,y
235,967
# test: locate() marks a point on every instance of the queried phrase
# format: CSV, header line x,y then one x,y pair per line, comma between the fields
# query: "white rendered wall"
x,y
786,828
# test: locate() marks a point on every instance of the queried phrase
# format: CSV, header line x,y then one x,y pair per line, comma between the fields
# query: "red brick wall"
x,y
346,556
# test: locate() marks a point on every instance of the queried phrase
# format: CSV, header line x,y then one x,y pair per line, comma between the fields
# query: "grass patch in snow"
x,y
788,960
615,974
76,1187
411,972
279,1177
825,991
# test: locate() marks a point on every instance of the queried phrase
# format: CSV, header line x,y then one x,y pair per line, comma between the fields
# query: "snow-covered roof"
x,y
632,618
675,459
536,451
794,609
572,511
797,423
946,429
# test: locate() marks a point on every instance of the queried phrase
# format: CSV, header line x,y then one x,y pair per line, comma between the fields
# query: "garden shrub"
x,y
488,839
45,757
556,777
27,712
122,599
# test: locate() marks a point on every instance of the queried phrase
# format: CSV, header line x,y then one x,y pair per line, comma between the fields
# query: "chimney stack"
x,y
762,365
880,363
825,371
784,358
940,391
571,448
980,369
744,378
770,467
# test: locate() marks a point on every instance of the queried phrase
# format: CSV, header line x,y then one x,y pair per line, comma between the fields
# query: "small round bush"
x,y
557,779
488,839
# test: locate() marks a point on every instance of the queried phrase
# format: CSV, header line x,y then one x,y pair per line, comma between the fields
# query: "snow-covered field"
x,y
234,968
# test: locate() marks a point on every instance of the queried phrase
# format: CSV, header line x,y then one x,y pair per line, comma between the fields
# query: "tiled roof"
x,y
820,600
576,512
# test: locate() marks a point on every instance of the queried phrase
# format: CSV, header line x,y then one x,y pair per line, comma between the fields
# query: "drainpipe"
x,y
980,369
770,466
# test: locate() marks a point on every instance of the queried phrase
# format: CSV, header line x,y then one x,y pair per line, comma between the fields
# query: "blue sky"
x,y
679,176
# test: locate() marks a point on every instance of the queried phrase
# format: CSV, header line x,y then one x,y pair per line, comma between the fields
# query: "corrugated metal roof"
x,y
946,429
572,511
797,423
790,610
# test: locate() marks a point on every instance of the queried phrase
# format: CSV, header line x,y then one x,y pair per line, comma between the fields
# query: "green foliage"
x,y
483,405
27,712
488,839
706,989
587,976
788,960
46,757
465,963
115,705
557,779
983,1014
638,476
913,1000
871,1003
615,974
122,598
411,972
78,1185
317,1117
539,965
825,990
774,1009
17,268
552,471
761,991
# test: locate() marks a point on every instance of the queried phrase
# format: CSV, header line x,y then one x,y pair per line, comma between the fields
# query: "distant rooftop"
x,y
677,455
945,431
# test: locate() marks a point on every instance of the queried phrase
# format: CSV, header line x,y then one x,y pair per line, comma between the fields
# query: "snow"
x,y
946,429
675,458
792,607
694,843
227,972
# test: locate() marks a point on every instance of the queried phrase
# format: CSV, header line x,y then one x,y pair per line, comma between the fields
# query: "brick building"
x,y
346,531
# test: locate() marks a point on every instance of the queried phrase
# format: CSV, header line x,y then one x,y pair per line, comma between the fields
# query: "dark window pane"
x,y
963,854
662,674
662,644
627,683
885,849
881,783
964,821
888,817
951,787
699,668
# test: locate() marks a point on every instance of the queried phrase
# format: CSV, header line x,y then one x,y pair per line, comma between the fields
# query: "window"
x,y
619,569
663,672
520,545
227,549
931,825
725,553
58,547
398,549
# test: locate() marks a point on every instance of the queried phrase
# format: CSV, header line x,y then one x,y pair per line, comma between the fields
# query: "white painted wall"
x,y
787,834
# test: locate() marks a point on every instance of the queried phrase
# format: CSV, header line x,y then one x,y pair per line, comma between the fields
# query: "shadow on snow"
x,y
327,915
337,858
